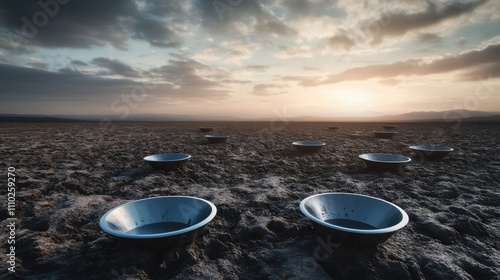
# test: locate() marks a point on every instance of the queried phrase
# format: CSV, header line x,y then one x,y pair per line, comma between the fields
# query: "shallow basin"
x,y
159,223
217,138
167,161
384,162
384,134
334,127
431,152
308,146
353,219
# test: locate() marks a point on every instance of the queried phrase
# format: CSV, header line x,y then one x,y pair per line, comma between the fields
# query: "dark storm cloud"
x,y
82,24
23,83
179,82
116,67
157,33
399,24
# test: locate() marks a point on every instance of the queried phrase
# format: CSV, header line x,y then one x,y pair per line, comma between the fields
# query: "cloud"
x,y
78,63
267,89
156,32
230,51
116,67
275,28
341,41
429,38
390,82
305,81
65,84
483,61
259,68
36,63
228,17
285,52
399,24
191,79
220,15
85,24
486,72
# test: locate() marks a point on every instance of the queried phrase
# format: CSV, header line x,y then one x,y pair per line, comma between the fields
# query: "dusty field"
x,y
68,175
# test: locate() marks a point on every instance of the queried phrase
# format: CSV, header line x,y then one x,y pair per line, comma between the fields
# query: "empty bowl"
x,y
167,161
159,223
308,146
217,138
384,134
384,162
389,127
353,219
431,152
206,129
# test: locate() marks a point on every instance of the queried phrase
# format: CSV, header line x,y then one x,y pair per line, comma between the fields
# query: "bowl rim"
x,y
182,157
429,148
107,229
406,159
309,143
404,220
220,136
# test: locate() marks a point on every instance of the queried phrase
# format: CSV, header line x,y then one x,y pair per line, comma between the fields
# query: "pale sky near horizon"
x,y
249,58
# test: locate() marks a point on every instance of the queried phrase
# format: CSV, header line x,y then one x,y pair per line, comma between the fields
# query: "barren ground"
x,y
69,175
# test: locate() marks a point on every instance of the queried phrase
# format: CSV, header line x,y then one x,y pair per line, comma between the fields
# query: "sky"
x,y
243,58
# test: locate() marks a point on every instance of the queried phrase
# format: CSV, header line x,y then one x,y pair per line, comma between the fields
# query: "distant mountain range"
x,y
449,115
430,116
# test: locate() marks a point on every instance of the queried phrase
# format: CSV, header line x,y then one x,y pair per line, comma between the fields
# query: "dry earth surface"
x,y
69,175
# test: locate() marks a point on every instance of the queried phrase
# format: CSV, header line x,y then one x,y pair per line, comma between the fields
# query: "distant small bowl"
x,y
334,127
308,146
353,219
384,134
431,152
159,223
206,129
167,161
384,162
389,127
217,138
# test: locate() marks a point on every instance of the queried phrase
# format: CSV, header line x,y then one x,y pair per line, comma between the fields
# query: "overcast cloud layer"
x,y
225,57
